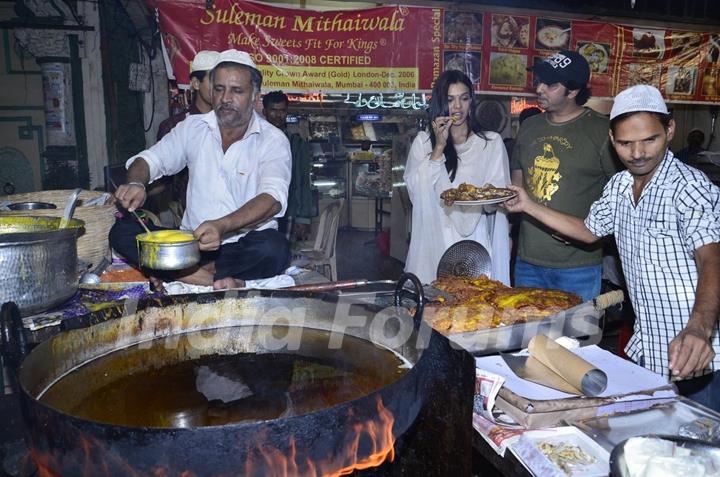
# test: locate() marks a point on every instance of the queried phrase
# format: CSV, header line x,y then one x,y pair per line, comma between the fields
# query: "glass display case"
x,y
352,160
371,178
329,169
330,187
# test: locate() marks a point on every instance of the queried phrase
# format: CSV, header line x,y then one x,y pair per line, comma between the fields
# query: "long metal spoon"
x,y
141,221
69,209
132,212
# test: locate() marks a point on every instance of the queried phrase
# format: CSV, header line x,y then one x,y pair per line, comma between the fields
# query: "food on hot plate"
x,y
166,236
465,62
648,43
507,31
508,69
644,40
568,457
682,40
468,192
463,27
482,303
596,56
524,35
553,36
711,83
684,81
644,73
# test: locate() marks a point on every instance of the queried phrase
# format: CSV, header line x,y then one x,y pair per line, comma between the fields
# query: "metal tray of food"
x,y
691,455
581,321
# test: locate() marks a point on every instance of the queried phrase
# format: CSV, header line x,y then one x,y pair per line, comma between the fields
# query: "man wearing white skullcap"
x,y
239,173
666,220
200,88
170,190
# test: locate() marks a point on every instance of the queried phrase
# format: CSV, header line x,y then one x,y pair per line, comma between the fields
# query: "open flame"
x,y
366,444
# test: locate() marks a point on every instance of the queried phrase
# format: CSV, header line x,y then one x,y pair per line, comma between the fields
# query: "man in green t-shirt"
x,y
562,158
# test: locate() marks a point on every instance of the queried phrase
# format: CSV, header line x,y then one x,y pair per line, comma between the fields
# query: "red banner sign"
x,y
403,48
310,51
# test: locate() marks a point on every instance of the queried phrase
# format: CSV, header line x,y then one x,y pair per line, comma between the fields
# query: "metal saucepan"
x,y
168,255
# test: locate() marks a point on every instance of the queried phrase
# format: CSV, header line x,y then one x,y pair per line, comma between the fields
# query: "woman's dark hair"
x,y
439,107
663,118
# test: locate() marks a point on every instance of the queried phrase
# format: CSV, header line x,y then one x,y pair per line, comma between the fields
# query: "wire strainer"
x,y
466,258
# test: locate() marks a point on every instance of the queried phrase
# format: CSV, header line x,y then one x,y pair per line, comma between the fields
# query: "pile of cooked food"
x,y
468,192
508,69
481,303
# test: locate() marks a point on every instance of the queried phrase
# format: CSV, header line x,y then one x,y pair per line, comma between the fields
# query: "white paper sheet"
x,y
272,283
624,377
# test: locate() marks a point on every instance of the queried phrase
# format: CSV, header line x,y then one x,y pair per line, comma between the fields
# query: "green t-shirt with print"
x,y
565,167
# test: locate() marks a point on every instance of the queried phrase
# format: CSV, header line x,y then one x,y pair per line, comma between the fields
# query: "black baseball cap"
x,y
563,66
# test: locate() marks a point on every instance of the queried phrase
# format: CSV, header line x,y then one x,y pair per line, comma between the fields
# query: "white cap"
x,y
205,60
235,56
637,98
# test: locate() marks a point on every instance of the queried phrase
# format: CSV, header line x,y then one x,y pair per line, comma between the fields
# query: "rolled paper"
x,y
570,367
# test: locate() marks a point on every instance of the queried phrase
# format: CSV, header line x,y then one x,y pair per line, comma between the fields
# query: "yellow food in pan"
x,y
166,236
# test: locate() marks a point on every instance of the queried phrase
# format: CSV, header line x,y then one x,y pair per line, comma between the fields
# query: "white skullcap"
x,y
235,56
637,98
205,60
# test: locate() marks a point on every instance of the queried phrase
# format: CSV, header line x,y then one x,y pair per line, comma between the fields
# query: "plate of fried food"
x,y
468,194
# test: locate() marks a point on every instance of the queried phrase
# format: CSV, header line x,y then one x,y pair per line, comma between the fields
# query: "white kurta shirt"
x,y
222,182
435,227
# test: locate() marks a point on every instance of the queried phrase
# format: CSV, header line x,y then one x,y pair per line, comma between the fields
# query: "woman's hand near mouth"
x,y
441,128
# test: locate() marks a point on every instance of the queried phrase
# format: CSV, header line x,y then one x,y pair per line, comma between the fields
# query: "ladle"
x,y
69,209
92,277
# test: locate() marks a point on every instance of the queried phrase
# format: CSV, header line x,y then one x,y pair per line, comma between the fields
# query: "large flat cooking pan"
x,y
63,444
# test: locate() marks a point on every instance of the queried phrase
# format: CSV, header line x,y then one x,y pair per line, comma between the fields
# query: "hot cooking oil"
x,y
198,379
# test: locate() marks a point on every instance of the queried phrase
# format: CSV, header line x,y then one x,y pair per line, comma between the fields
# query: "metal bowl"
x,y
168,256
31,206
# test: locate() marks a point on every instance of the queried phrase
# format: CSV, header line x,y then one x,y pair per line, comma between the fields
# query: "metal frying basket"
x,y
466,258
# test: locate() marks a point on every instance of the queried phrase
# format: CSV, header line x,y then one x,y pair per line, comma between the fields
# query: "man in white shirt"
x,y
239,177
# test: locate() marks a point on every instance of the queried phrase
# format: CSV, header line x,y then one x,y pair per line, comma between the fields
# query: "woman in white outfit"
x,y
454,150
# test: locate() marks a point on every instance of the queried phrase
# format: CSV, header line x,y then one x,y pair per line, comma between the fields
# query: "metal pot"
x,y
31,206
38,262
431,426
168,255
